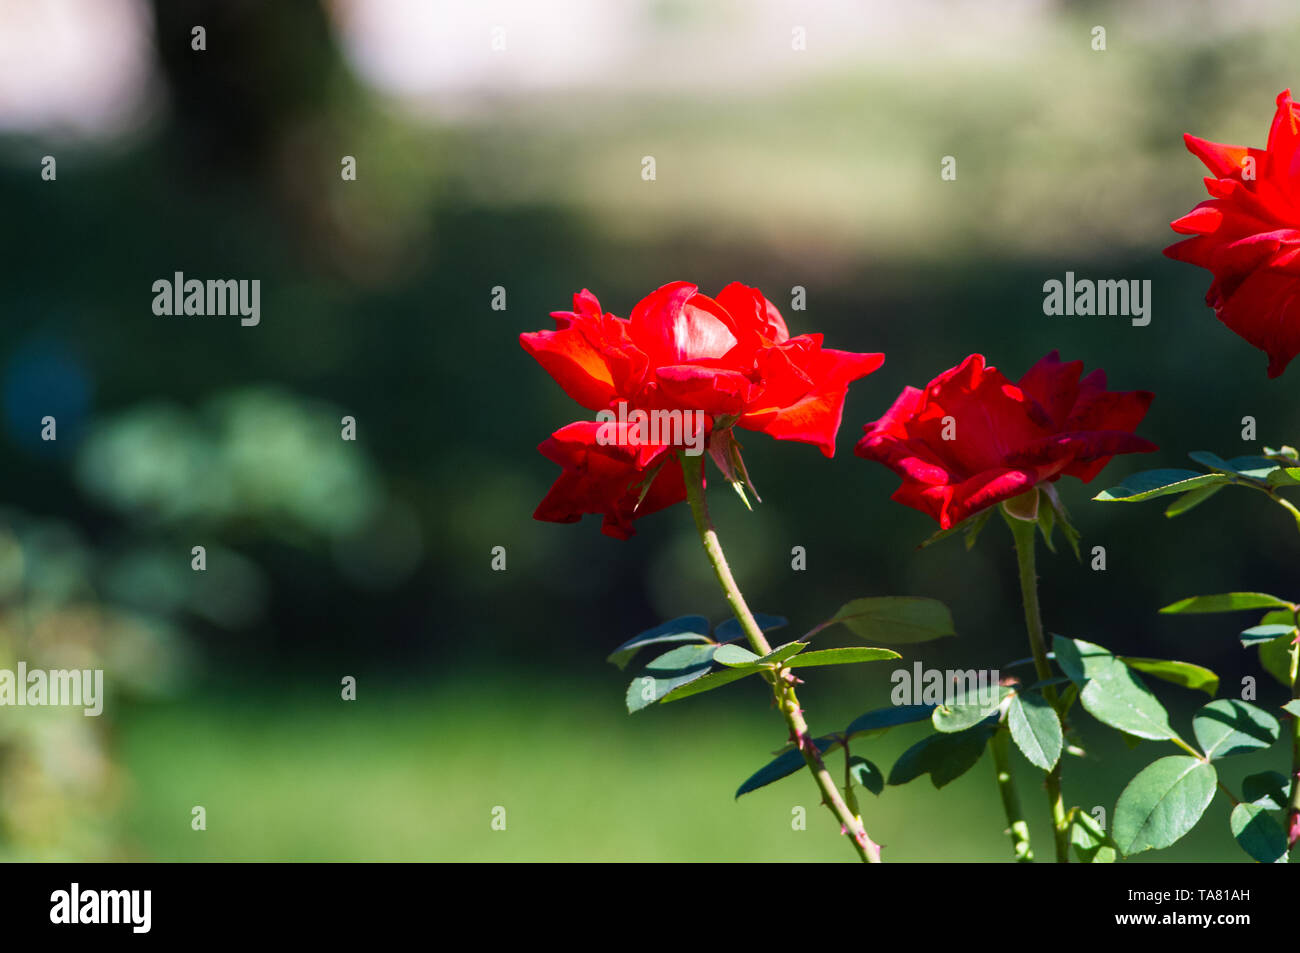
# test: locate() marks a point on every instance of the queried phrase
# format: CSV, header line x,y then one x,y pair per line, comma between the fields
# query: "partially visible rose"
x,y
717,363
1248,235
972,439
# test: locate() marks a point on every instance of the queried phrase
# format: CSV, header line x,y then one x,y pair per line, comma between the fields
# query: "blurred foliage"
x,y
60,783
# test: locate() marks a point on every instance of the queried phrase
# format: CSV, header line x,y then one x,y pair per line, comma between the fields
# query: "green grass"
x,y
405,776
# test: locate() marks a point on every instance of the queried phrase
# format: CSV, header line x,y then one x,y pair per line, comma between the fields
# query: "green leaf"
x,y
707,683
783,652
1111,692
669,671
1267,789
1062,518
1212,460
942,756
1228,726
1092,845
1068,697
1163,803
942,534
687,628
969,527
1152,483
1284,476
1035,729
1023,506
1292,707
1253,468
730,629
882,719
732,655
1258,834
964,710
1278,617
896,620
866,774
1193,499
841,656
1264,633
784,765
974,525
1180,673
741,658
1047,523
1275,657
1226,602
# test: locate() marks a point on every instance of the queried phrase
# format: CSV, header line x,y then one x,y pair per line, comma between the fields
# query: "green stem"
x,y
1023,532
782,679
1017,829
1232,798
1293,811
1286,505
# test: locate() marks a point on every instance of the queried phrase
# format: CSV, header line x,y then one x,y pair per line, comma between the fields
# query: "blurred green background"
x,y
501,144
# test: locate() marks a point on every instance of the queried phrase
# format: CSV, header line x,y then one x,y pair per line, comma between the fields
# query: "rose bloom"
x,y
972,439
717,363
620,481
1248,235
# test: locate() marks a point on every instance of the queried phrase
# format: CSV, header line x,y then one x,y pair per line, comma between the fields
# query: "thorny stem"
x,y
1293,811
781,679
1023,532
1017,829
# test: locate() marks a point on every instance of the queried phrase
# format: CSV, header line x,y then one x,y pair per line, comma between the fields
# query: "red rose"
x,y
620,481
731,358
972,439
1248,235
715,363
